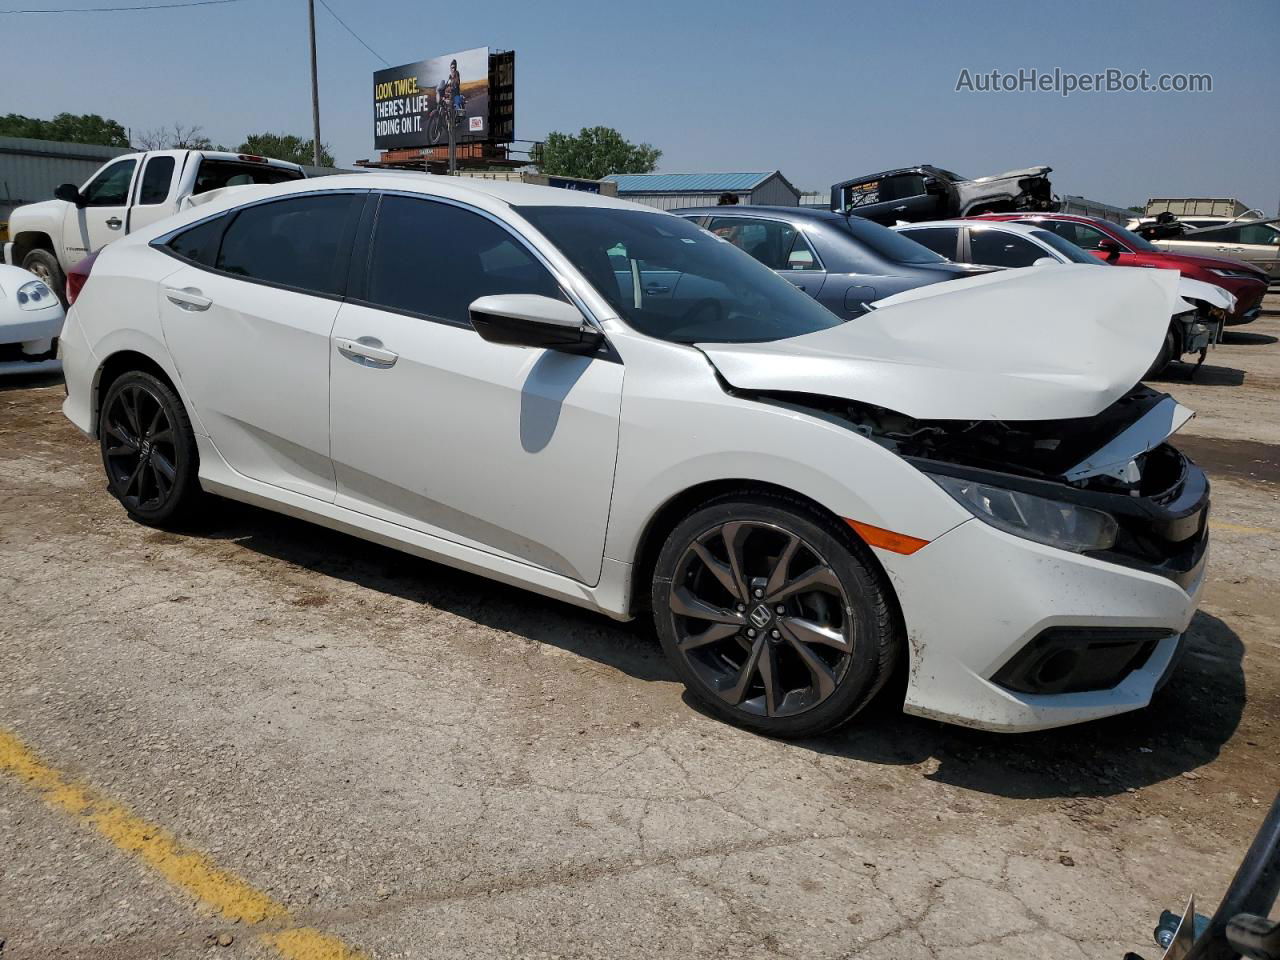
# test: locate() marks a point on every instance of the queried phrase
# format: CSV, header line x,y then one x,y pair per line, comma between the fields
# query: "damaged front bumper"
x,y
1035,636
992,657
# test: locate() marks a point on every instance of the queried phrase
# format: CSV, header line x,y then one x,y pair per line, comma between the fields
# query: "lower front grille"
x,y
1078,659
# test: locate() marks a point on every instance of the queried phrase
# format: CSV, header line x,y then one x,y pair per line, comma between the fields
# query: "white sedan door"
x,y
248,325
505,449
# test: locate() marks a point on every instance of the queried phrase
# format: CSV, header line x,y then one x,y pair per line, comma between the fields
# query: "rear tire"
x,y
45,266
149,450
774,615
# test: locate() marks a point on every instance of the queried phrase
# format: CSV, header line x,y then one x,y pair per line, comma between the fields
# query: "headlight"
x,y
1053,522
35,295
1239,274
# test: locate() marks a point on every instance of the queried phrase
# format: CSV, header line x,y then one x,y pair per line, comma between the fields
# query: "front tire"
x,y
149,450
45,266
1166,356
774,615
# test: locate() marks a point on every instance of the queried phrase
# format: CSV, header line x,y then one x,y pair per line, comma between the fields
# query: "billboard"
x,y
408,110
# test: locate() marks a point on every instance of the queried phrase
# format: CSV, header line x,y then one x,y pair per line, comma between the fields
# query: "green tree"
x,y
285,146
66,127
594,153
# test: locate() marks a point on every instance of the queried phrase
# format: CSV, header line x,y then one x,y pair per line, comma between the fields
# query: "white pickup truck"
x,y
131,191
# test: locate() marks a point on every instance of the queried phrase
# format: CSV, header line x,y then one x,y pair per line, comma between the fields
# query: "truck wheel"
x,y
45,266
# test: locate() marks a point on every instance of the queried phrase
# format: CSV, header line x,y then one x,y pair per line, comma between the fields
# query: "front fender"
x,y
680,429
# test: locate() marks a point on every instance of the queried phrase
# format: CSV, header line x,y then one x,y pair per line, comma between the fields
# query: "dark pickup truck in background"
x,y
915,194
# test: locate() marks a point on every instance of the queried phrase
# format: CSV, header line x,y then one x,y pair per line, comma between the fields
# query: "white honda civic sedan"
x,y
606,404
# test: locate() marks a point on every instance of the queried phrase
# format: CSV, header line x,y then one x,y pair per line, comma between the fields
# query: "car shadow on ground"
x,y
29,381
1204,375
1184,728
1241,337
628,647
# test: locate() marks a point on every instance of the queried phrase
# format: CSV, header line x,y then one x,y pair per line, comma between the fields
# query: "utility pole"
x,y
315,88
452,113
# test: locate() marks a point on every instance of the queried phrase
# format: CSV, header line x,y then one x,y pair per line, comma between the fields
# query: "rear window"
x,y
214,174
892,246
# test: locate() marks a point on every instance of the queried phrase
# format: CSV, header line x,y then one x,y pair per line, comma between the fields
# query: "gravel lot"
x,y
425,764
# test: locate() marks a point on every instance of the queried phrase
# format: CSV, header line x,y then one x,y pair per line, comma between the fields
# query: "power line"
x,y
353,33
152,6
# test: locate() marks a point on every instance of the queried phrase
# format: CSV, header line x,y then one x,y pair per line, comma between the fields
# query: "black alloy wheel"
x,y
148,449
771,618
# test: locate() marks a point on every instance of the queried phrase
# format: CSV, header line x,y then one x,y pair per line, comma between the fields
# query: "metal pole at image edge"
x,y
315,87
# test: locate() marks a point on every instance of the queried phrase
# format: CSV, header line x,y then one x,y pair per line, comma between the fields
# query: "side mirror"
x,y
531,320
70,193
1045,262
1109,247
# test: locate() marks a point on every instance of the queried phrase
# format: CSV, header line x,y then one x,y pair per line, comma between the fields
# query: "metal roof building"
x,y
670,191
31,169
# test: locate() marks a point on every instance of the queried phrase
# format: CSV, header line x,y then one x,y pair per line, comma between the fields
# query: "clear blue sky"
x,y
819,90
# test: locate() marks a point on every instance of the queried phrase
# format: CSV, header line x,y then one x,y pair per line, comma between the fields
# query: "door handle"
x,y
899,209
115,223
367,351
188,298
656,288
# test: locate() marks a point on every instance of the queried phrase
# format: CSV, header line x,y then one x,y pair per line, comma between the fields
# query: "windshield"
x,y
1066,248
890,245
675,281
1134,241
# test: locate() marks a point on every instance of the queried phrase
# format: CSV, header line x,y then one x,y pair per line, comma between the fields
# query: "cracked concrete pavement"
x,y
428,764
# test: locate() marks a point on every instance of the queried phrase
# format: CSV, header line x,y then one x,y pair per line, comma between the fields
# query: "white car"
x,y
1197,318
30,321
606,404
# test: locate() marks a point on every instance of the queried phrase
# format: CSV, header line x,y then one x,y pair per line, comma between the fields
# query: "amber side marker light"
x,y
887,539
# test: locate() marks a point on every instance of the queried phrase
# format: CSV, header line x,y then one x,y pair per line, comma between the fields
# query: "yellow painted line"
x,y
1238,528
189,870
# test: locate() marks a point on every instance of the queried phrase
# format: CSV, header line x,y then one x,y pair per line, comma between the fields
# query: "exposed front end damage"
x,y
1065,596
1045,626
1018,190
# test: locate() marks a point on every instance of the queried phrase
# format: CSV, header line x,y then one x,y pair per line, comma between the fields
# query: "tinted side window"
x,y
1259,233
110,188
1221,235
769,241
999,249
941,240
156,177
199,244
214,174
303,242
902,186
433,259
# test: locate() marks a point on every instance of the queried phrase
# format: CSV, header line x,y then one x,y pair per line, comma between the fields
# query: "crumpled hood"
x,y
1210,293
1024,172
1036,344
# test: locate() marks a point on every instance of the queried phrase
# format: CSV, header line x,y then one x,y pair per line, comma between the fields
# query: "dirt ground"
x,y
420,763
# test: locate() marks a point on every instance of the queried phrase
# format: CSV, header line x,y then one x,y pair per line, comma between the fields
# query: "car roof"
x,y
763,210
917,168
482,192
1008,226
1039,215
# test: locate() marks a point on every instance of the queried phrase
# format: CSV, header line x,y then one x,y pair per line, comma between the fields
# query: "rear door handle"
x,y
367,351
115,223
188,298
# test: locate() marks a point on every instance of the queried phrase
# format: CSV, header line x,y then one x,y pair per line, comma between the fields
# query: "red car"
x,y
1113,243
